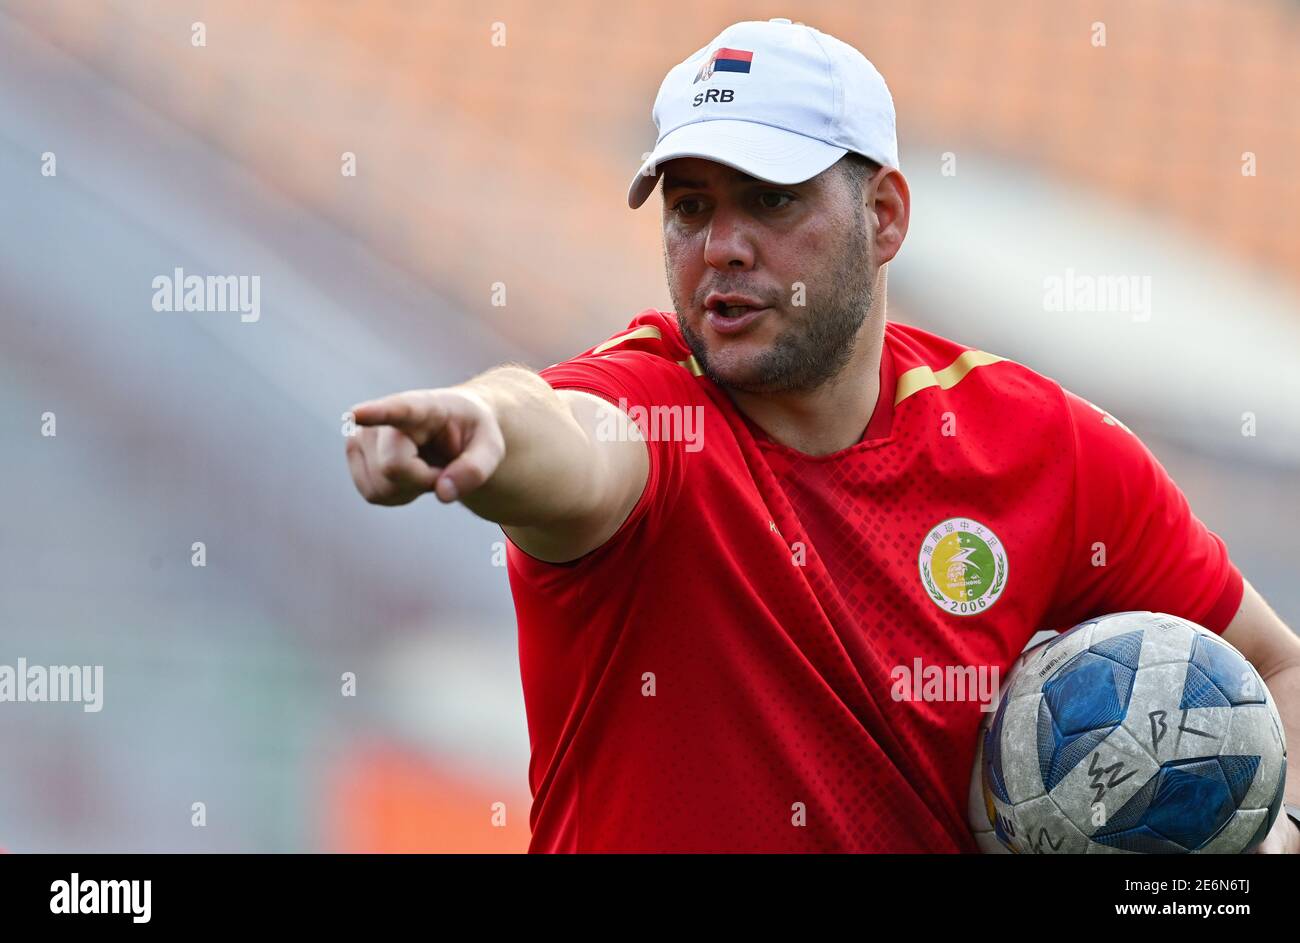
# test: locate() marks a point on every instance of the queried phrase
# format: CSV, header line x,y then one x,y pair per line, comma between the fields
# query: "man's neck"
x,y
835,415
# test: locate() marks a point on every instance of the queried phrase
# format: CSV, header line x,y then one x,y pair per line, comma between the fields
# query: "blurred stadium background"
x,y
479,164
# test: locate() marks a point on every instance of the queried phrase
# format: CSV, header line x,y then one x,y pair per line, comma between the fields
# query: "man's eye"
x,y
687,207
769,199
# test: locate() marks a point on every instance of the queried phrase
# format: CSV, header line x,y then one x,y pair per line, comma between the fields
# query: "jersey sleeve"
x,y
637,383
1136,543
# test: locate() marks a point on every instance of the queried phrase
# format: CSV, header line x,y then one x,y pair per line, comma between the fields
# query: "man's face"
x,y
726,233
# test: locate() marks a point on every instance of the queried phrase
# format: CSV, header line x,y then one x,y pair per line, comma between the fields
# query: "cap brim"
x,y
760,150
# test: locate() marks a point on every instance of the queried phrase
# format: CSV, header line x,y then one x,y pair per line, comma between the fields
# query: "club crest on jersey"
x,y
963,566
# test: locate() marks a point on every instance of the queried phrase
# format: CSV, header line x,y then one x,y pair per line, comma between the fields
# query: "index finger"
x,y
416,409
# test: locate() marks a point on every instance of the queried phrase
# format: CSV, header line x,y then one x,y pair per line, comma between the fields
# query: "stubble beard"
x,y
812,350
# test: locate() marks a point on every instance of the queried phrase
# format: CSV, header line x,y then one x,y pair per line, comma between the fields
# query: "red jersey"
x,y
738,668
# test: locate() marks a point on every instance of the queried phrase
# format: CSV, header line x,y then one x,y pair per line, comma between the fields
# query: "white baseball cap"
x,y
779,101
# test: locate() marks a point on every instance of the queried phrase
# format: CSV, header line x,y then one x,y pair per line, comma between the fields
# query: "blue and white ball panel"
x,y
1172,734
1107,777
1218,675
1046,660
1015,734
1242,830
1249,735
1253,819
1041,830
1184,805
1123,624
1167,640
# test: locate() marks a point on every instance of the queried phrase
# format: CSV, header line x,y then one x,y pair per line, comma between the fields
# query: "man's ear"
x,y
890,202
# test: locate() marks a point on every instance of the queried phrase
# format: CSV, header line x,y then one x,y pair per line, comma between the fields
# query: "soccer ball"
x,y
1134,732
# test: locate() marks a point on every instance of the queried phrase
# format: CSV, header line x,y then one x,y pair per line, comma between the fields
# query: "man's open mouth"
x,y
733,311
730,319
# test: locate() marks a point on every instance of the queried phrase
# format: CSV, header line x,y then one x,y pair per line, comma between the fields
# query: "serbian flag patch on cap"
x,y
725,60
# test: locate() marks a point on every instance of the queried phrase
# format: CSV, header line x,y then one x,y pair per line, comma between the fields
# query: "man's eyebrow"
x,y
675,182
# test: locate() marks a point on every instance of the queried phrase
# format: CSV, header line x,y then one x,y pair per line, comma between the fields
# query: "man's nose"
x,y
730,243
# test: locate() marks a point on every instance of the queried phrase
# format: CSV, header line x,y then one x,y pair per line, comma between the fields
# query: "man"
x,y
729,527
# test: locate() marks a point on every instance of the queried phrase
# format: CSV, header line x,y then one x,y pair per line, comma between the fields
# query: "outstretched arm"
x,y
559,470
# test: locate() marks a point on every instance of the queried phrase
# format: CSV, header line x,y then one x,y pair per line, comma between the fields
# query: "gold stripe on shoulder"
x,y
646,330
693,365
920,378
